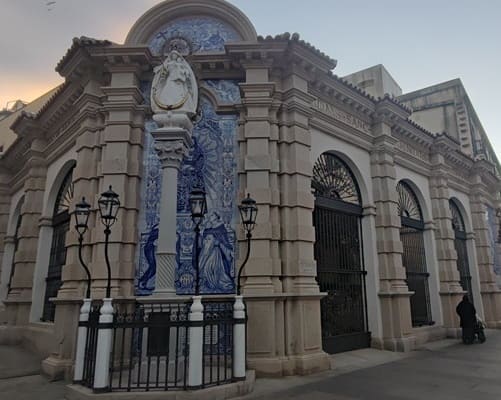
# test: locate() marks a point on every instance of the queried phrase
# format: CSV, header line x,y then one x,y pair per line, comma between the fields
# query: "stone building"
x,y
377,209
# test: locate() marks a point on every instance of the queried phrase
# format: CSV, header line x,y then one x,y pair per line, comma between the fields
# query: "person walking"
x,y
467,315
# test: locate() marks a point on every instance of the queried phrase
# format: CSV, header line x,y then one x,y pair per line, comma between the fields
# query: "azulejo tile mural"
x,y
193,35
210,164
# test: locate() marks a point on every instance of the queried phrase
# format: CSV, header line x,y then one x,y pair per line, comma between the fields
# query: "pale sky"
x,y
421,43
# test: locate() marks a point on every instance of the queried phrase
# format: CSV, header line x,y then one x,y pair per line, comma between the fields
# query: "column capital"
x,y
171,152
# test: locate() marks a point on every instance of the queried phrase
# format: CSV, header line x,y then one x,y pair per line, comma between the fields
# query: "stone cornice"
x,y
26,125
118,94
450,149
333,91
390,112
487,172
213,66
78,55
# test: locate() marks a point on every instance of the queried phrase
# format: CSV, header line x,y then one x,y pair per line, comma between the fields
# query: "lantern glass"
x,y
248,213
198,205
108,207
82,212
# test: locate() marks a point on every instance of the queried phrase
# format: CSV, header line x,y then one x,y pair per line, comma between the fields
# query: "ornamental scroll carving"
x,y
171,153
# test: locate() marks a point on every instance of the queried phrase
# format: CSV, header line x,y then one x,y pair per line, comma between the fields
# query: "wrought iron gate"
x,y
341,275
414,261
414,255
338,252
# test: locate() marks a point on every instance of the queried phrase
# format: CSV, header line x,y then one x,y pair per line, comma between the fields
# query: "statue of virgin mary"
x,y
174,88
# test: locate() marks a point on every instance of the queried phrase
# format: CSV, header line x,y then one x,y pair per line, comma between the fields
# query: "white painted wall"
x,y
359,162
55,175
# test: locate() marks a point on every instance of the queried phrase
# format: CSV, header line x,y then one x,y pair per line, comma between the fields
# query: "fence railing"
x,y
149,347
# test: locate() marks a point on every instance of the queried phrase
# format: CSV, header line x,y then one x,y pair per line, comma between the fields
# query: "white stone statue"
x,y
174,92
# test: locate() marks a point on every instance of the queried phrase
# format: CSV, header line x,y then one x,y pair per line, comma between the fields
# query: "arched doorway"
x,y
461,248
414,256
338,253
60,225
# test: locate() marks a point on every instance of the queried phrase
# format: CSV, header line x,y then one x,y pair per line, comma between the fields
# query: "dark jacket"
x,y
467,314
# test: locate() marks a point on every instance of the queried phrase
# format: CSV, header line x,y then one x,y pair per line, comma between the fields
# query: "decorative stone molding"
x,y
171,153
156,17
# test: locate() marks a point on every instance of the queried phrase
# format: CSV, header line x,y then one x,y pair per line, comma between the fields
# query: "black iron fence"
x,y
150,346
218,343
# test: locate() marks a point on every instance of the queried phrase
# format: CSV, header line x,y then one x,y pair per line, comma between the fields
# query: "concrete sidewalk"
x,y
442,370
16,361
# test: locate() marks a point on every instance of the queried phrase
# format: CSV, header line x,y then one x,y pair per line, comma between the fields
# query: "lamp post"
x,y
198,205
248,214
108,209
82,212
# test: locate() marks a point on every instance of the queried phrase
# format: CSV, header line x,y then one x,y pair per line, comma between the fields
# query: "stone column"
x,y
450,287
394,293
491,295
20,297
171,144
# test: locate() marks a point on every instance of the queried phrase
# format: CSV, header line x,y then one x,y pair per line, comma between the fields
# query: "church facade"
x,y
377,212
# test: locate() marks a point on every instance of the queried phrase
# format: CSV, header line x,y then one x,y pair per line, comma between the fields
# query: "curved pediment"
x,y
191,26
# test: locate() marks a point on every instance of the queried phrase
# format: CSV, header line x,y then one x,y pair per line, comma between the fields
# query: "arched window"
x,y
61,225
333,179
461,248
414,256
338,252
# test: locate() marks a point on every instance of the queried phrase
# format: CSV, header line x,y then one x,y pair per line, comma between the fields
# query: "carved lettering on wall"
x,y
341,116
409,149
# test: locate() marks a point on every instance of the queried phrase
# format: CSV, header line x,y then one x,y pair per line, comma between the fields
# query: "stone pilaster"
x,y
450,287
394,293
491,295
258,175
5,242
86,179
86,175
120,167
26,254
303,345
9,246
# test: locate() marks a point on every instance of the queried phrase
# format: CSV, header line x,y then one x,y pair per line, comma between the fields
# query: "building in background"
x,y
377,209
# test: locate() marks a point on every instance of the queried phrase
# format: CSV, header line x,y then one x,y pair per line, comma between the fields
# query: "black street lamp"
x,y
248,214
198,205
82,212
108,209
